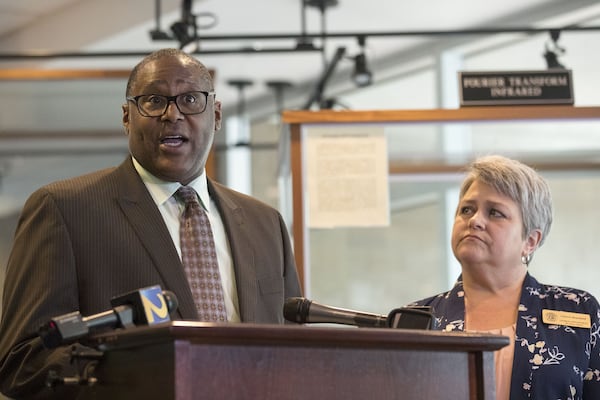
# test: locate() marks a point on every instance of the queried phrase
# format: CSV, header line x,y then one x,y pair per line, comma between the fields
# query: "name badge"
x,y
577,320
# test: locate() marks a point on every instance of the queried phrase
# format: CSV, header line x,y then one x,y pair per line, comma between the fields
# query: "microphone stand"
x,y
86,360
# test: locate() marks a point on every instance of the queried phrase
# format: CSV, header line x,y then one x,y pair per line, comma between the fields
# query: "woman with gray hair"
x,y
503,216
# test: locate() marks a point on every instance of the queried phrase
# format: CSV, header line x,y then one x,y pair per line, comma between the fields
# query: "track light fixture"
x,y
185,30
361,76
184,33
317,96
553,51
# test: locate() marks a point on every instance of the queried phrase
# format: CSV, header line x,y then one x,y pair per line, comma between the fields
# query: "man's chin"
x,y
181,175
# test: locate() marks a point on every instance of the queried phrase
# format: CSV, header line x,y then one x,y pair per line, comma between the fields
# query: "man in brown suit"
x,y
82,241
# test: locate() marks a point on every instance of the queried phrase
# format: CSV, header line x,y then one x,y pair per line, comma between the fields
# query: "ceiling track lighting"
x,y
361,75
186,30
317,95
301,39
304,39
553,51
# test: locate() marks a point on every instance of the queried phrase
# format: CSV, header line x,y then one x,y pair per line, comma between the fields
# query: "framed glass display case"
x,y
378,268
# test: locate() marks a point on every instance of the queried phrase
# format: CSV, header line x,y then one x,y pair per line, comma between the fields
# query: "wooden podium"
x,y
189,360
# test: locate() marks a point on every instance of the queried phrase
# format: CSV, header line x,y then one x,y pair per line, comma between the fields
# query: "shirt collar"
x,y
161,190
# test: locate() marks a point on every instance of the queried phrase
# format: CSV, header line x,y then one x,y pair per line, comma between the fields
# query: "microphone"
x,y
301,310
146,306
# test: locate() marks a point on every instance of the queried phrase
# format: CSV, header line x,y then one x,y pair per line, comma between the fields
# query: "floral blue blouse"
x,y
551,362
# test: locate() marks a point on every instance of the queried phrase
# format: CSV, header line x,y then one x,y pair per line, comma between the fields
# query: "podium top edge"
x,y
297,336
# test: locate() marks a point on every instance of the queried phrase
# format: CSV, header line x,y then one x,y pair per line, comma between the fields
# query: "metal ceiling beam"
x,y
449,32
300,38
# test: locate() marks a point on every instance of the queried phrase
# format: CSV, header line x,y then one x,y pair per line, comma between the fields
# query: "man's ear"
x,y
218,115
125,109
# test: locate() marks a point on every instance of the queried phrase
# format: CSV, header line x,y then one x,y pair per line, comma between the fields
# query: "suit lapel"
x,y
239,237
145,218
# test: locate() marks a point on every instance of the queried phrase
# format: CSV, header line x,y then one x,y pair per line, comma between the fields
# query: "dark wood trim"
x,y
465,114
298,201
62,74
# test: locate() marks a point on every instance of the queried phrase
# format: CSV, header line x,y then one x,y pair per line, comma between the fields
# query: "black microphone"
x,y
147,306
301,310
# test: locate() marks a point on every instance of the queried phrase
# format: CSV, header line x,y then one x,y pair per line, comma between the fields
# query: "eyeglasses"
x,y
155,105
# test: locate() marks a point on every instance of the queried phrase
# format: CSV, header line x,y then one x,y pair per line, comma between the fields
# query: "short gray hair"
x,y
203,72
519,182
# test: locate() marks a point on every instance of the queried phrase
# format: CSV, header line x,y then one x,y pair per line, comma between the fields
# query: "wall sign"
x,y
515,88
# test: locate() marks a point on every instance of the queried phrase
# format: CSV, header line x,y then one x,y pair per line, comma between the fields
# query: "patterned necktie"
x,y
199,258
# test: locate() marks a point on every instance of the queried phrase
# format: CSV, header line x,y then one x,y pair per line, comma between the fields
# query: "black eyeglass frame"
x,y
170,99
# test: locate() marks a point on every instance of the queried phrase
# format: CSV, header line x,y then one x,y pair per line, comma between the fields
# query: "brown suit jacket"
x,y
82,241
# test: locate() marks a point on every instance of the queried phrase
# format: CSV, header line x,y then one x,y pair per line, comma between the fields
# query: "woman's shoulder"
x,y
565,295
457,291
436,299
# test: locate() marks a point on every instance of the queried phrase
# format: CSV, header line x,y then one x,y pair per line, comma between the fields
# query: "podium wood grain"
x,y
184,360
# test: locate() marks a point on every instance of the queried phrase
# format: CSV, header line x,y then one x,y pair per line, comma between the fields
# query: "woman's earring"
x,y
526,259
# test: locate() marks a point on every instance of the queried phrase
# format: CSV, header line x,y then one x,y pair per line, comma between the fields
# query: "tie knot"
x,y
187,194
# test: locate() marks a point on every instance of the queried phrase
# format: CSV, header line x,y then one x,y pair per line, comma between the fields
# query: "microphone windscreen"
x,y
295,309
171,300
